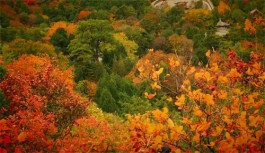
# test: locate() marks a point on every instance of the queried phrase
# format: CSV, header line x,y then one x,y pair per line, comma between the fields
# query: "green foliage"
x,y
34,33
151,21
118,67
141,37
99,14
174,14
18,47
24,17
4,103
238,15
136,105
21,7
112,92
243,53
60,40
192,31
130,6
92,40
125,11
81,87
7,34
4,21
2,72
198,4
64,11
89,71
121,66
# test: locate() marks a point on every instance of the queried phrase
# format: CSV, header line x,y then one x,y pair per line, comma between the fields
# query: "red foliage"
x,y
29,2
41,99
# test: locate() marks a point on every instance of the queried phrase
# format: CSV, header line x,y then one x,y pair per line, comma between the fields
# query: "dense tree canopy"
x,y
132,76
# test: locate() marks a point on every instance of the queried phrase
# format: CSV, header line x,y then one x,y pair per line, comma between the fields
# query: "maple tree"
x,y
94,135
41,103
171,104
223,112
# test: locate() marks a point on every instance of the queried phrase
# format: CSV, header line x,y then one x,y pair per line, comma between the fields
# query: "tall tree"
x,y
92,39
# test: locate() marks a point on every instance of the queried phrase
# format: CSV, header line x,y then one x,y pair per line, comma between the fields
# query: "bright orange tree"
x,y
94,135
70,28
42,103
221,108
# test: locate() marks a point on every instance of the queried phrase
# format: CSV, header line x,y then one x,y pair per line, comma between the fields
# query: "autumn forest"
x,y
147,76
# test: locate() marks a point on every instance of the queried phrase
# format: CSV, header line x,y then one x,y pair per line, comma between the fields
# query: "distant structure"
x,y
256,13
222,28
187,4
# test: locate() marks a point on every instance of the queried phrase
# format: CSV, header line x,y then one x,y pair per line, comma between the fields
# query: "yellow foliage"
x,y
130,46
208,99
180,101
155,86
208,54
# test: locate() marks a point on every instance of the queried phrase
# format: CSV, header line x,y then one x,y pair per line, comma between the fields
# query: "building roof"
x,y
255,11
188,3
220,23
222,31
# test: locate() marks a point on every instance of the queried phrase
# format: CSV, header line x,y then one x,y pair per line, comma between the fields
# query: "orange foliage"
x,y
148,64
69,27
229,101
92,135
222,8
41,99
249,27
82,14
151,66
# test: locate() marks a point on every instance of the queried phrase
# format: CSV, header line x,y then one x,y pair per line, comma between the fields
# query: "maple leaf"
x,y
234,73
169,99
227,135
155,86
197,111
237,91
196,137
218,130
222,94
208,99
259,133
158,140
208,54
249,72
242,119
223,79
21,137
149,96
191,70
170,123
180,101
